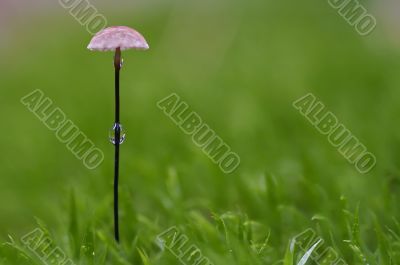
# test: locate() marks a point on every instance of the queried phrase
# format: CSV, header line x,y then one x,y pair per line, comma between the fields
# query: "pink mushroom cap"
x,y
109,39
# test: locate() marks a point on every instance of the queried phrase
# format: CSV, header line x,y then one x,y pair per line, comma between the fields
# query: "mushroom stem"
x,y
117,66
117,131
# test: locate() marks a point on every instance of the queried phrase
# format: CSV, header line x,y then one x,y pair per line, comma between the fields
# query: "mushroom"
x,y
117,39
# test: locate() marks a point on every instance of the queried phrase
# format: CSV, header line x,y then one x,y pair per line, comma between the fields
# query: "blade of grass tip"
x,y
144,257
202,224
23,252
289,255
306,256
113,248
334,244
87,250
73,229
265,243
397,223
355,231
359,255
393,233
12,241
219,219
355,245
103,247
101,255
41,224
148,223
271,189
248,230
241,230
384,249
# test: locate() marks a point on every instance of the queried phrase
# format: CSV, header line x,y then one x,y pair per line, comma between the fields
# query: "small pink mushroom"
x,y
122,37
117,39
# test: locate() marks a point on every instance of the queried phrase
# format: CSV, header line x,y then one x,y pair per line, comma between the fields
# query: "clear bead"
x,y
112,133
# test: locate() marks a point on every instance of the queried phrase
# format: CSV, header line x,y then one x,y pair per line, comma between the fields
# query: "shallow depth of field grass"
x,y
239,65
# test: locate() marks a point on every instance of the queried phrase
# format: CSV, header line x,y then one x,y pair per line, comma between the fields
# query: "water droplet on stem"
x,y
115,131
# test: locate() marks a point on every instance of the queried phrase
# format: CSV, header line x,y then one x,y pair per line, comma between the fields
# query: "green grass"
x,y
239,66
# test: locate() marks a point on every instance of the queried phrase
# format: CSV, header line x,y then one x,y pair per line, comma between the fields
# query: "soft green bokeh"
x,y
239,65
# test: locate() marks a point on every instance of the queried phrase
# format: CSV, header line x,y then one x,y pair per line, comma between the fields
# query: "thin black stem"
x,y
117,131
117,66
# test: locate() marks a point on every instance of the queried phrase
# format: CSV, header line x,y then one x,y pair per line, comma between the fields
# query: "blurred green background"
x,y
239,65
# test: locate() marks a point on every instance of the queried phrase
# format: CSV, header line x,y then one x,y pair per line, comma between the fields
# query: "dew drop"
x,y
112,133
